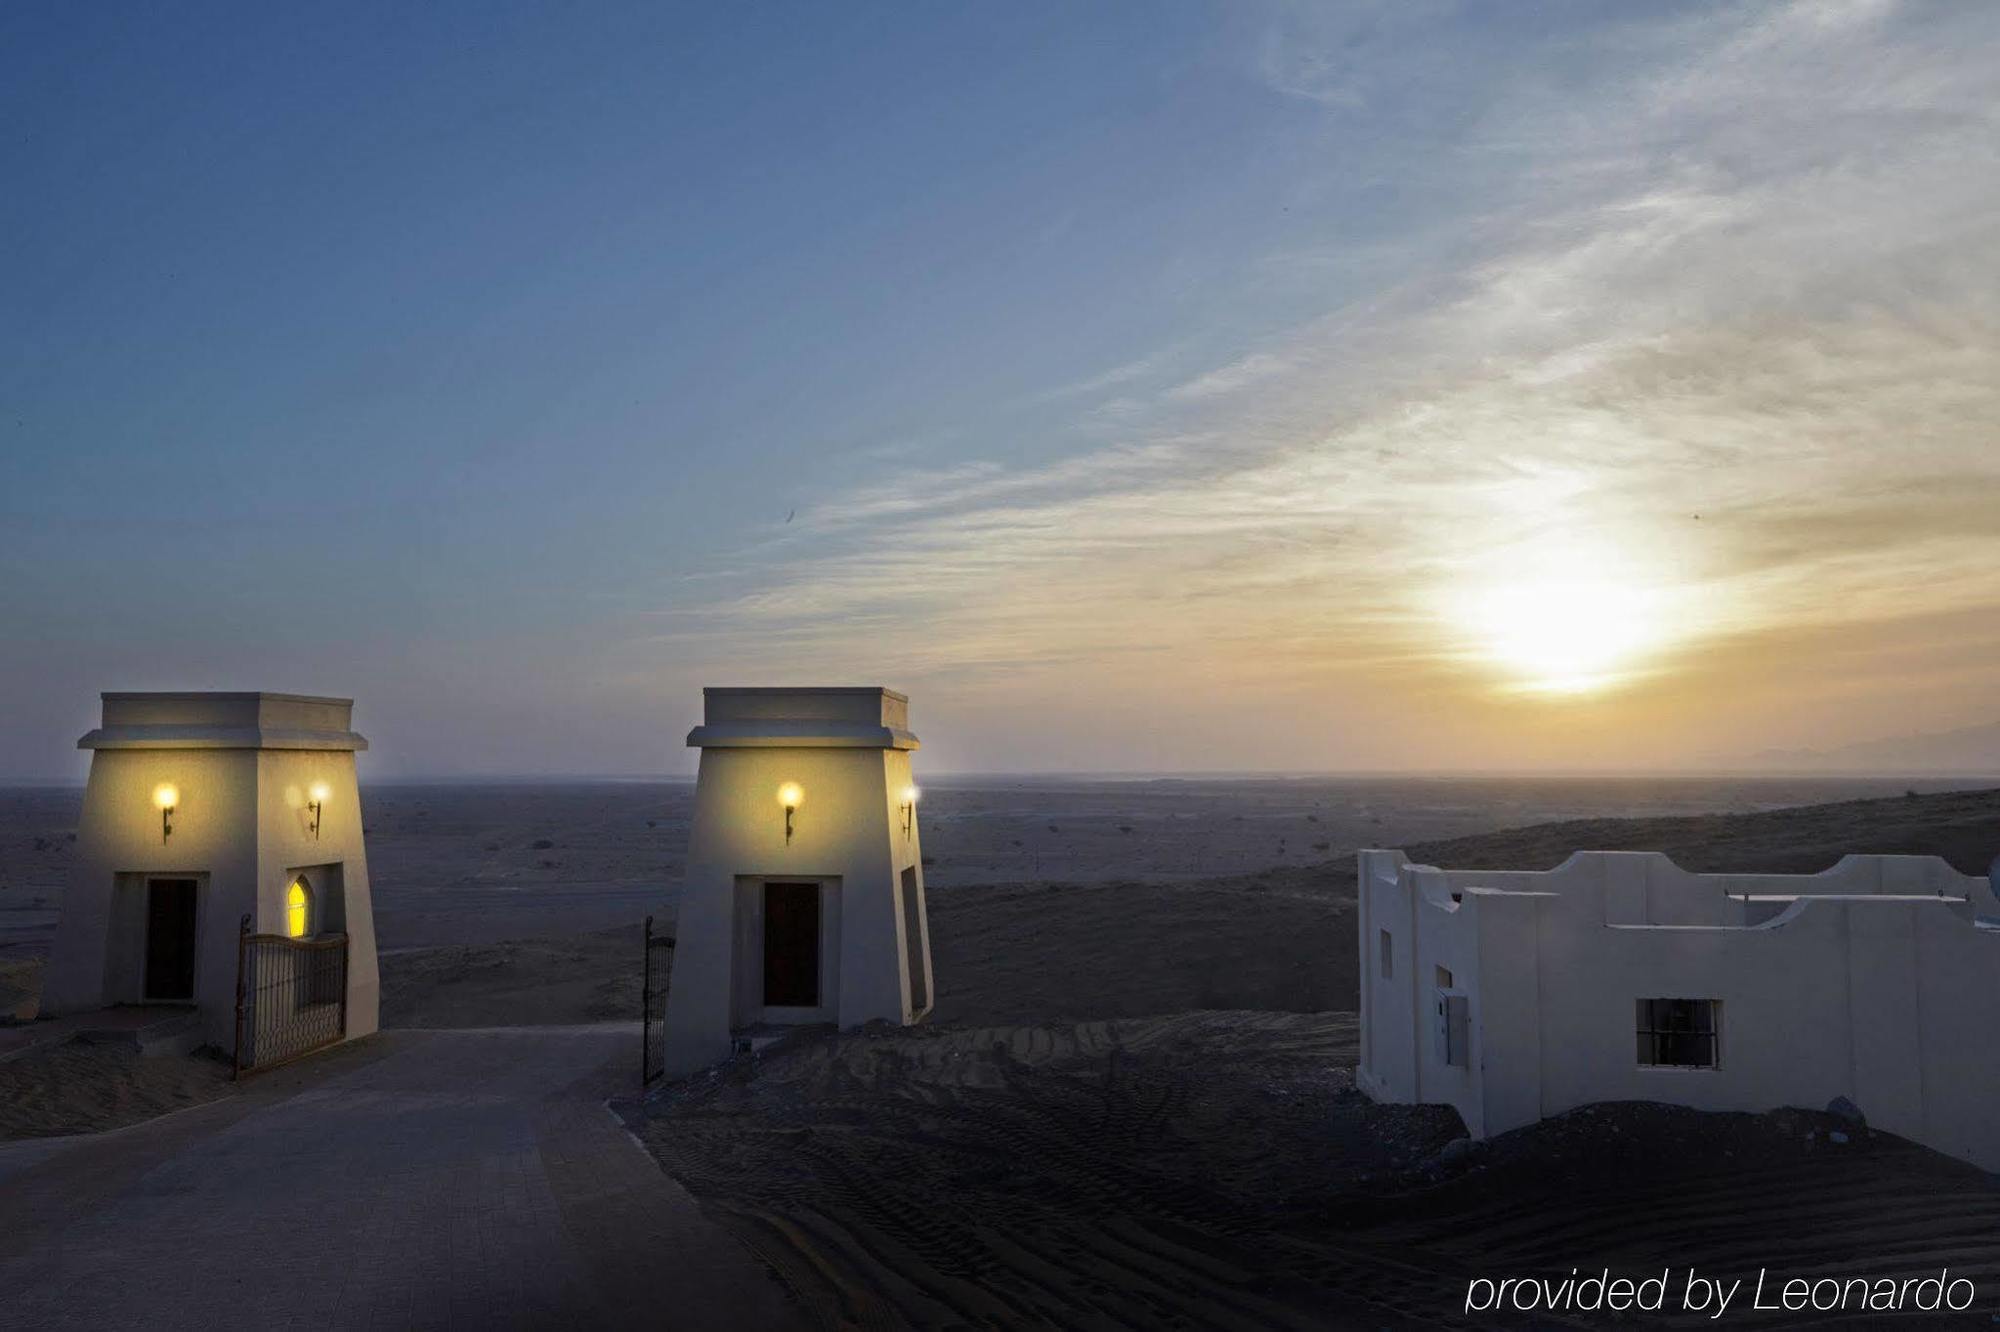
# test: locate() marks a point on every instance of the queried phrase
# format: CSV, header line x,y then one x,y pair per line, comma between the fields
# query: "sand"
x,y
593,977
1135,1104
20,987
1129,1173
1219,1169
79,1088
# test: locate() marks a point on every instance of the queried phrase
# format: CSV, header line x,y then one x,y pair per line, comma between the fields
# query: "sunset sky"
x,y
1137,386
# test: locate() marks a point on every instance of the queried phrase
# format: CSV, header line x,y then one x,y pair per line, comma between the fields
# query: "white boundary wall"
x,y
1877,980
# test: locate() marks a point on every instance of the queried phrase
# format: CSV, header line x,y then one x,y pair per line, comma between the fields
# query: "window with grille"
x,y
1680,1033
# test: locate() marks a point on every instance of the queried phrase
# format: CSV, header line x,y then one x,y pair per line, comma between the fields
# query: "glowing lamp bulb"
x,y
789,795
315,797
165,797
910,795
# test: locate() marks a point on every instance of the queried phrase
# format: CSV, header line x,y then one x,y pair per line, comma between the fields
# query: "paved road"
x,y
416,1179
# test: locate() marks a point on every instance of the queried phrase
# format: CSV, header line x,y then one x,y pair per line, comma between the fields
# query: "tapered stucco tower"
x,y
804,898
203,809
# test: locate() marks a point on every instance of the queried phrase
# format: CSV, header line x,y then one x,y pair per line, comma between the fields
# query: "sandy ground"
x,y
20,987
1638,1187
1134,1105
593,977
1219,1169
78,1088
1129,1173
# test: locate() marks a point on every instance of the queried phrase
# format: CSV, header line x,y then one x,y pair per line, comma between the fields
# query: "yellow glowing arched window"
x,y
298,908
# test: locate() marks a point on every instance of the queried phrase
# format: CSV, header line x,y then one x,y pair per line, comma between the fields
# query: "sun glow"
x,y
1566,635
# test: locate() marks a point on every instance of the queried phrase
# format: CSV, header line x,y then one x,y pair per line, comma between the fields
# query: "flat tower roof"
x,y
219,719
812,716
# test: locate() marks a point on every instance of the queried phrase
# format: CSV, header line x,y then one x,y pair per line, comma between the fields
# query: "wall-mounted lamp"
x,y
165,797
791,795
910,794
316,797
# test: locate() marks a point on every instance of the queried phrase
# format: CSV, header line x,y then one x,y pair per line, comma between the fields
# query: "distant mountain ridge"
x,y
1970,750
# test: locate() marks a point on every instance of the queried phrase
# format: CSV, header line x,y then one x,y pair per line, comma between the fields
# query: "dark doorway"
x,y
170,938
913,942
791,945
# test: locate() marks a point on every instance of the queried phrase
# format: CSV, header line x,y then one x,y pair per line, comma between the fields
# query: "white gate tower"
x,y
804,896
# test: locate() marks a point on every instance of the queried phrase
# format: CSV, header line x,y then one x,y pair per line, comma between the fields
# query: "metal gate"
x,y
653,1006
291,997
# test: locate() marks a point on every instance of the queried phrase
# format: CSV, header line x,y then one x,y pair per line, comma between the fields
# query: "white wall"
x,y
214,840
848,830
286,845
240,830
1865,983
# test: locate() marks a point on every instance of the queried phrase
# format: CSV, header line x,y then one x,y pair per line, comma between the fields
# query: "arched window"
x,y
298,908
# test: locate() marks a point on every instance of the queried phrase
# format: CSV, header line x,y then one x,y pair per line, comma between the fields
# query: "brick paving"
x,y
419,1179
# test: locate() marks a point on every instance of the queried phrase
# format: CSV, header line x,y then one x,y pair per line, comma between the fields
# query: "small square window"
x,y
1444,978
1388,965
1680,1033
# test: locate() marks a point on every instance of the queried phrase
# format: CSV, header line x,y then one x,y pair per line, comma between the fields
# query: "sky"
x,y
1139,387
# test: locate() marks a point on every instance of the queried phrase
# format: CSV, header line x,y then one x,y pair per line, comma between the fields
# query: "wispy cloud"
x,y
1232,378
1741,343
1117,376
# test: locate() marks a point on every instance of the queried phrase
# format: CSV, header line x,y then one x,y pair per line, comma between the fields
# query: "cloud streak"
x,y
1737,345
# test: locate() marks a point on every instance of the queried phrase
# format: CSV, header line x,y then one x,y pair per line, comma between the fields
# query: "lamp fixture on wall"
x,y
165,797
791,795
315,798
910,794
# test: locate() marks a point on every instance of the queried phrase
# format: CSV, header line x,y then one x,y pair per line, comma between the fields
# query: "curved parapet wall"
x,y
1514,994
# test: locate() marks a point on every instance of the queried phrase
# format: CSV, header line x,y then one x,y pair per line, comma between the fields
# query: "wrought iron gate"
x,y
653,1006
291,996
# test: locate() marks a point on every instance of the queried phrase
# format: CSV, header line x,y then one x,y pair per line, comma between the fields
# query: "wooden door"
x,y
791,945
170,941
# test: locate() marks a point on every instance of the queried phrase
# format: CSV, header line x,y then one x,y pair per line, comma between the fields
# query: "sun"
x,y
1565,635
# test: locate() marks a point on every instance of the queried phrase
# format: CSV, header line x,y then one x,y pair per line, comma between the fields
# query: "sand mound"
x,y
79,1088
1961,826
1218,1169
20,988
1639,1187
1141,1172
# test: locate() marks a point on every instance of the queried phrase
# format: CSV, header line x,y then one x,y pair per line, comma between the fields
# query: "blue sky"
x,y
1147,386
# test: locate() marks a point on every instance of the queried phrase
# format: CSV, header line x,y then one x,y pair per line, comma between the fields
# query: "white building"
x,y
202,809
1515,995
804,896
